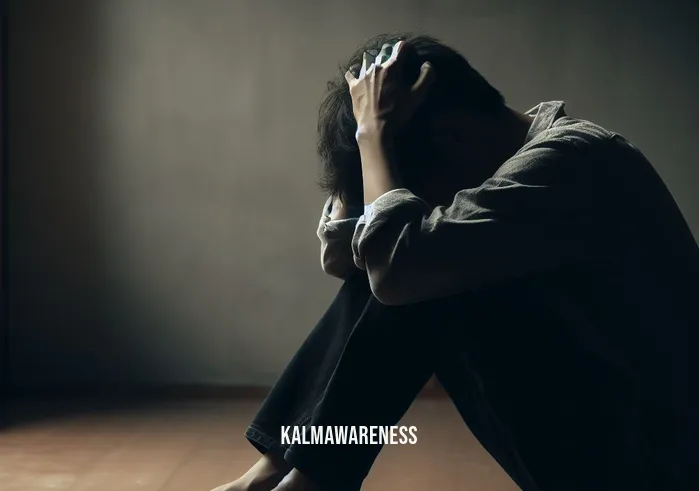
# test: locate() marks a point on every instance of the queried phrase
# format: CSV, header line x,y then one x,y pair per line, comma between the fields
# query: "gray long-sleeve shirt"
x,y
594,246
546,206
335,236
336,252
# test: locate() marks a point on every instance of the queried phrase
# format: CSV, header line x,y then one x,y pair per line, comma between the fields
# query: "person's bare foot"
x,y
295,481
263,476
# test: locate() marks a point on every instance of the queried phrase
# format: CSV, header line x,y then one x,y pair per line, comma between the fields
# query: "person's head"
x,y
447,143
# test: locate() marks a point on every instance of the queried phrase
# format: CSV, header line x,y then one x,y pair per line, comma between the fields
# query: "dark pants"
x,y
550,424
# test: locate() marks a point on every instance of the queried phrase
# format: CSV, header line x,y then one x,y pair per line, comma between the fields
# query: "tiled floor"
x,y
196,445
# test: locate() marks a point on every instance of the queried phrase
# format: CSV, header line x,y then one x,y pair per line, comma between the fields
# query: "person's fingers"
x,y
365,65
423,82
355,69
397,54
349,76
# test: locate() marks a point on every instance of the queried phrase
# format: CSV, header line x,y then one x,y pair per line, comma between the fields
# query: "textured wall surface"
x,y
162,179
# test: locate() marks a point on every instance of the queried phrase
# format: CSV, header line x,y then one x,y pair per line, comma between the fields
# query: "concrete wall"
x,y
163,204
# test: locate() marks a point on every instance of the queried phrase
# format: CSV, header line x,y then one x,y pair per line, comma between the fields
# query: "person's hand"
x,y
382,102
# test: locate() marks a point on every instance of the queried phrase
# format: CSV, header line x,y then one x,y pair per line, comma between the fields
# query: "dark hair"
x,y
457,85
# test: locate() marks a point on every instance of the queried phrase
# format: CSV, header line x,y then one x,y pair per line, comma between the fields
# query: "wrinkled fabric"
x,y
588,247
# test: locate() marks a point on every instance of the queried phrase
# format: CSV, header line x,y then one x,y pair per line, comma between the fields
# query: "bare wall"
x,y
162,178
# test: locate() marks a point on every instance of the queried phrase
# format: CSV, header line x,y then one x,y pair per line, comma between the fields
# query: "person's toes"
x,y
295,481
231,486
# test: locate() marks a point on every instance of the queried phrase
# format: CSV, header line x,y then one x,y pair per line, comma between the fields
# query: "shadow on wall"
x,y
59,277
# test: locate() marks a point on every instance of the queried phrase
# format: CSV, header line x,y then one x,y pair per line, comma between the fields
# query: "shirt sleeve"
x,y
336,243
523,220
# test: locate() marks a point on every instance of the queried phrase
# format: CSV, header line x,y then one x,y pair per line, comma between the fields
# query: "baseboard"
x,y
188,391
181,391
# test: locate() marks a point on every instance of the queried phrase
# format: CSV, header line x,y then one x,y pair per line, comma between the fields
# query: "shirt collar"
x,y
545,113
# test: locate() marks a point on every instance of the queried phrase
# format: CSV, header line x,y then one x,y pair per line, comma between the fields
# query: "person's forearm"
x,y
379,173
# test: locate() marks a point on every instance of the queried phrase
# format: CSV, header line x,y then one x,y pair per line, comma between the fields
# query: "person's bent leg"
x,y
301,385
388,358
363,365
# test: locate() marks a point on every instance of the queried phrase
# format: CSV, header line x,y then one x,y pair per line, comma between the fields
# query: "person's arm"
x,y
335,230
525,219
